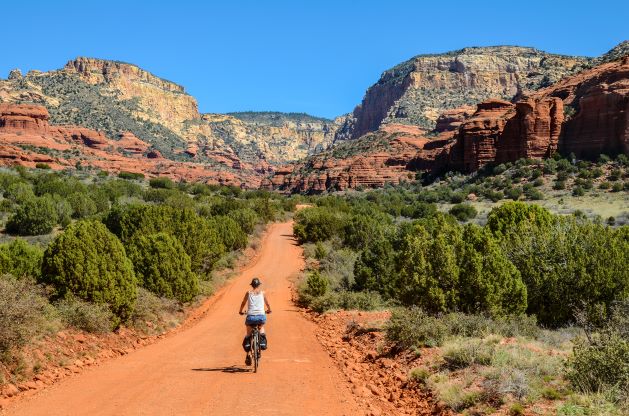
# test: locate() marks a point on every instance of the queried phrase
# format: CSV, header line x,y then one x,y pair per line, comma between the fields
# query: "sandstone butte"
x,y
587,114
27,138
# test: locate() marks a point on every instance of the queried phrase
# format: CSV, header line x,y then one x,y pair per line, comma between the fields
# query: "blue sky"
x,y
317,57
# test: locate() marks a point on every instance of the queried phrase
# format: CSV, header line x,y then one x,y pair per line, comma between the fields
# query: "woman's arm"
x,y
266,302
244,303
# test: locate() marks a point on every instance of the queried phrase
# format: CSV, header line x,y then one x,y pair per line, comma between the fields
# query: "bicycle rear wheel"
x,y
255,349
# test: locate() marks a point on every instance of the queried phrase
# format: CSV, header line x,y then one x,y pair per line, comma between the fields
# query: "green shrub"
x,y
246,218
510,214
198,235
415,328
86,316
602,365
231,234
33,217
19,192
57,184
513,193
317,224
82,205
153,313
24,313
130,175
463,353
427,269
617,187
488,281
463,212
40,165
162,266
20,259
316,284
89,262
374,269
161,183
362,229
578,191
320,251
559,185
569,264
419,374
534,194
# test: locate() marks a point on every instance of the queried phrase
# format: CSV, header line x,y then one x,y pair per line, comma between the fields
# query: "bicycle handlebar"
x,y
245,312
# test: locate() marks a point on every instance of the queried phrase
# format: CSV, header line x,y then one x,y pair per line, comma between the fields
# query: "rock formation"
x,y
115,97
27,138
586,114
420,89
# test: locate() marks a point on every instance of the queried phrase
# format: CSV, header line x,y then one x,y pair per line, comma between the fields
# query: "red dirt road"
x,y
201,371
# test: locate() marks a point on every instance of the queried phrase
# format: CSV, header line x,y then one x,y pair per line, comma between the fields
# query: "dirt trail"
x,y
201,371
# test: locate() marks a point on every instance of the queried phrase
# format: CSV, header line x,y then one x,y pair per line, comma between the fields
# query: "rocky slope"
x,y
115,97
27,138
586,114
417,91
275,137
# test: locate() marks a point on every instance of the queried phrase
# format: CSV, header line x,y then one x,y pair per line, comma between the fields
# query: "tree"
x,y
510,214
198,235
463,212
374,269
317,224
89,262
488,281
231,235
82,205
362,229
162,266
246,218
571,264
34,216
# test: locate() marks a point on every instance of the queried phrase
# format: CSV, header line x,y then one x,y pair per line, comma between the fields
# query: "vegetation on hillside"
x,y
501,301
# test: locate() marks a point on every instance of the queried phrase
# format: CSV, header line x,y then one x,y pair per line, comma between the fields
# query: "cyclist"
x,y
257,307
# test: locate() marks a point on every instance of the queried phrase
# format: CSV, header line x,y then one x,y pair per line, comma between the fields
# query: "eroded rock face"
x,y
535,127
23,117
587,114
26,127
400,150
419,90
451,120
599,99
500,131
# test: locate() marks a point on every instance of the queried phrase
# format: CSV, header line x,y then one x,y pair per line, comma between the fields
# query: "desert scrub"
x,y
85,316
24,313
154,314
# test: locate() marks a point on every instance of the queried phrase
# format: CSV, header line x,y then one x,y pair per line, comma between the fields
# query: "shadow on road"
x,y
231,369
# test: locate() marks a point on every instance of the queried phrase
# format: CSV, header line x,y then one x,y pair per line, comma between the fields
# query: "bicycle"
x,y
255,350
255,347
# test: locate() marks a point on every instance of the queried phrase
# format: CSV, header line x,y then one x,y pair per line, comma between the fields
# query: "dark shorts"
x,y
253,320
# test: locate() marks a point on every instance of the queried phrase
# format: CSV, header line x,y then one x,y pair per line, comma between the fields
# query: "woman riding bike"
x,y
257,307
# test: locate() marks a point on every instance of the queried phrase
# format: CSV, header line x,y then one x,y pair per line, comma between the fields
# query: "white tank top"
x,y
256,304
